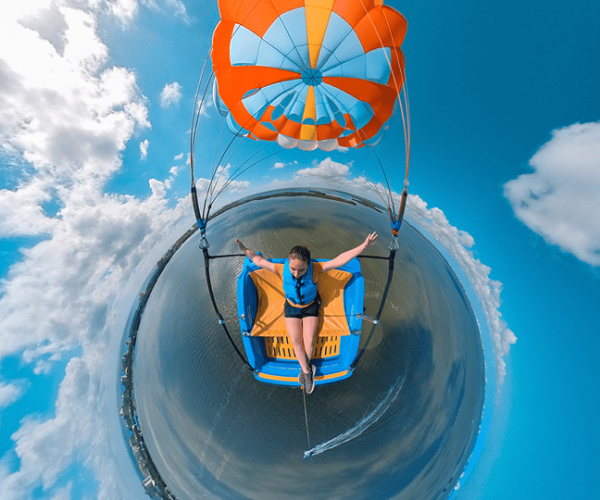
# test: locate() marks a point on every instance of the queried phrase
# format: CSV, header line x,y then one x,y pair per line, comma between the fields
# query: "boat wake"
x,y
366,422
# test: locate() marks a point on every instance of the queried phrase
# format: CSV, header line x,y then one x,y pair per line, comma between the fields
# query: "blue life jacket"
x,y
299,292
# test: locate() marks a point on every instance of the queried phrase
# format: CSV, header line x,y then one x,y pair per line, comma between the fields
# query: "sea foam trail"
x,y
366,422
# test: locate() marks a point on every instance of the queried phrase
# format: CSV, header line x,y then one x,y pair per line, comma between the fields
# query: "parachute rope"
x,y
403,103
196,114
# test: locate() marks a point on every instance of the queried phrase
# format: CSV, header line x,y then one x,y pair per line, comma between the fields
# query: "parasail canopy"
x,y
308,73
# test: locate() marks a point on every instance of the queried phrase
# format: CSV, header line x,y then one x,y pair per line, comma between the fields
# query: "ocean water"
x,y
403,426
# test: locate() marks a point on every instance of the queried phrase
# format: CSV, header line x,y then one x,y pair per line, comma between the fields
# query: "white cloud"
x,y
64,112
170,95
279,165
179,157
174,171
559,200
326,169
176,6
62,280
21,211
124,10
144,149
9,393
45,448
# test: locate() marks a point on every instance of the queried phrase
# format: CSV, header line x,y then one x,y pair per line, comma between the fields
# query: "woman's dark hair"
x,y
301,253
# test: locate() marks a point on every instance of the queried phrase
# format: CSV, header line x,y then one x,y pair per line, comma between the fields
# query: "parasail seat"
x,y
267,345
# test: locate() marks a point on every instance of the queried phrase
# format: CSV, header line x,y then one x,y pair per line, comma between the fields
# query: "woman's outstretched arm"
x,y
257,259
346,257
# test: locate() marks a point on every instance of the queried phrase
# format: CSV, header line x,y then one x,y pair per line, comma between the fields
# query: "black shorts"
x,y
289,311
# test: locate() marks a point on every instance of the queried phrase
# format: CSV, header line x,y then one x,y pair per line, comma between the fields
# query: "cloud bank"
x,y
66,115
559,199
458,244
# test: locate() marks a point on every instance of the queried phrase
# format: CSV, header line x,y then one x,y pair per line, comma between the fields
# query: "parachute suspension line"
x,y
214,191
393,249
372,185
388,200
214,178
202,218
406,124
396,221
220,161
217,174
386,178
405,112
404,107
239,171
207,258
196,114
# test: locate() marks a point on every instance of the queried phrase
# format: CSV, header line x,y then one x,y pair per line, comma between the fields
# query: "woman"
x,y
301,311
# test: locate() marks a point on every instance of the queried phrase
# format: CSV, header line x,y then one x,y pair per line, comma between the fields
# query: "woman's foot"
x,y
309,380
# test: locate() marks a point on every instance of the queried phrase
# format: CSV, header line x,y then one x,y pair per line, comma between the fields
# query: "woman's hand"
x,y
241,245
259,260
346,257
370,241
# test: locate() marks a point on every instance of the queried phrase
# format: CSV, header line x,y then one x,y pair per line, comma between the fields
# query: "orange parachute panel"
x,y
314,71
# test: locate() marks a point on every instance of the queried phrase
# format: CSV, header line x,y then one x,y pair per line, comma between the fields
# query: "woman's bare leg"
x,y
309,329
294,329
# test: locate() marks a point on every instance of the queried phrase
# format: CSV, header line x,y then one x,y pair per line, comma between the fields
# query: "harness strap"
x,y
298,305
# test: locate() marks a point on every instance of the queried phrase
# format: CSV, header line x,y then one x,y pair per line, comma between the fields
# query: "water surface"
x,y
403,426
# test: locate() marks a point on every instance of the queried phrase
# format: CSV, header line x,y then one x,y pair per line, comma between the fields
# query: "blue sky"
x,y
505,143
